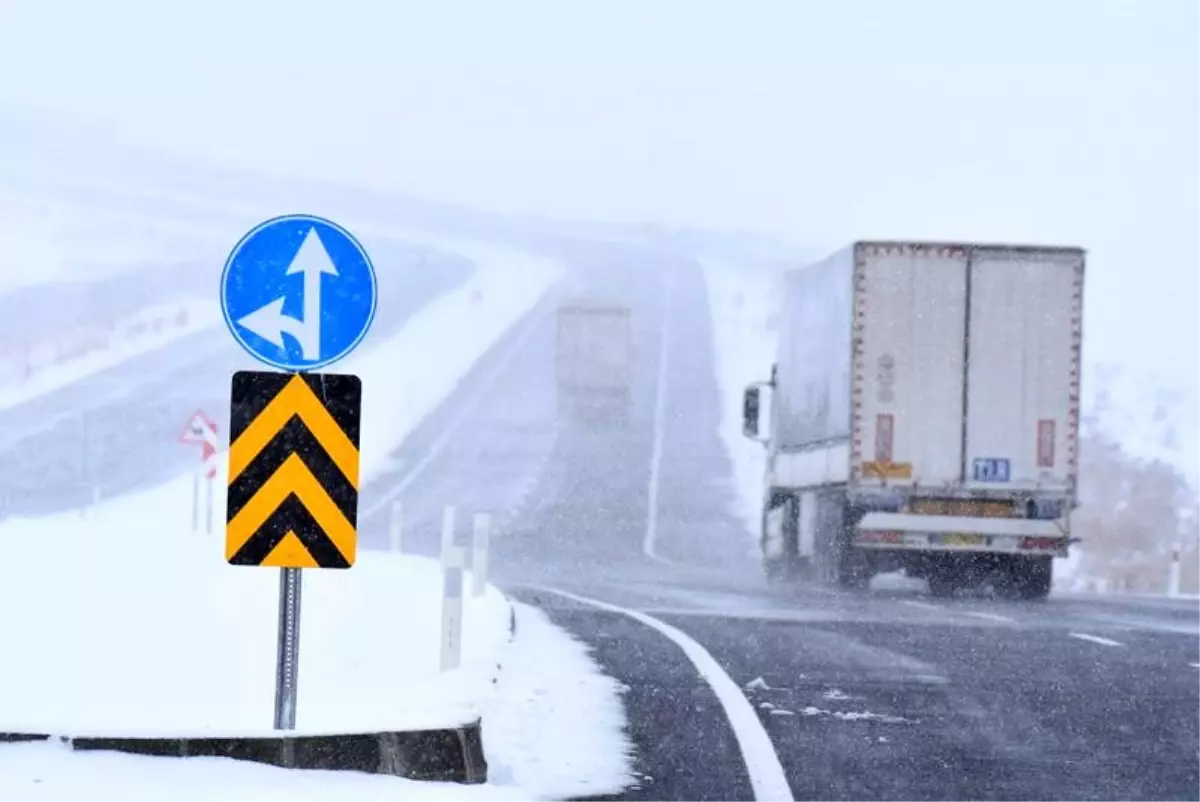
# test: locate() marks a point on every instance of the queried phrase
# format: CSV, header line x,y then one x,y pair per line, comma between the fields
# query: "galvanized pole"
x,y
208,504
288,656
196,501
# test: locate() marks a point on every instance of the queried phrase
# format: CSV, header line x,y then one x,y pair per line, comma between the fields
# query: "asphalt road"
x,y
117,431
882,694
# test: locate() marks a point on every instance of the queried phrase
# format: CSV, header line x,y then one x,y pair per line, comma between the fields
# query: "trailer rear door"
x,y
1023,368
909,322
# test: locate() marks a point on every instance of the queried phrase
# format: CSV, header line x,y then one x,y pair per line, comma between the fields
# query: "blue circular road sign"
x,y
298,292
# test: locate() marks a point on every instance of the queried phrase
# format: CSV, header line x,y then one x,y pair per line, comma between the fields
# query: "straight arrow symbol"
x,y
271,324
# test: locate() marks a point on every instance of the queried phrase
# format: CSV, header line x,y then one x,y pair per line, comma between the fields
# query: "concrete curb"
x,y
449,755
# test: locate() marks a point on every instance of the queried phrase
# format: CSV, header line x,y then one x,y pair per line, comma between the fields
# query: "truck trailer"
x,y
923,414
593,361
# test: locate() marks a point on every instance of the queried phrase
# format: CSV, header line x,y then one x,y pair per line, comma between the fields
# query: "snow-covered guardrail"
x,y
21,361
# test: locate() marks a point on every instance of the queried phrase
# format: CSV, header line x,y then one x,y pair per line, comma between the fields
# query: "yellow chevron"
x,y
293,476
296,398
289,553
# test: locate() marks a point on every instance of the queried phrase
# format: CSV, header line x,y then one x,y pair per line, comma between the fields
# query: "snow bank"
x,y
743,309
147,630
556,725
52,772
554,728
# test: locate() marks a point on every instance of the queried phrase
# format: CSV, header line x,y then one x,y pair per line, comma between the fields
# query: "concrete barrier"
x,y
448,755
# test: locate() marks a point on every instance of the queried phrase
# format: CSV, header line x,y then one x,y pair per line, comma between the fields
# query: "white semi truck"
x,y
923,415
593,361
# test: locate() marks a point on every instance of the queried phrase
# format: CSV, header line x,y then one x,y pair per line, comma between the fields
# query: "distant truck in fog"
x,y
593,361
922,414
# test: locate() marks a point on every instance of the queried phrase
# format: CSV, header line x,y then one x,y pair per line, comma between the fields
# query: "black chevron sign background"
x,y
293,470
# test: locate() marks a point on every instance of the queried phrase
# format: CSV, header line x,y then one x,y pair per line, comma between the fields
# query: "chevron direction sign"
x,y
293,470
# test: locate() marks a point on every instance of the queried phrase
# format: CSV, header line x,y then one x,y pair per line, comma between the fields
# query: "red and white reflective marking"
x,y
884,426
201,430
1045,443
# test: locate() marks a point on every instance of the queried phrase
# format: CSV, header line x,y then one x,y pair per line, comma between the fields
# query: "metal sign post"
x,y
294,436
208,501
196,501
287,662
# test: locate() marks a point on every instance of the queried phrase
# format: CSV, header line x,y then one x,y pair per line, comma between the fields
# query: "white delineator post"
x,y
394,528
1174,576
479,555
452,595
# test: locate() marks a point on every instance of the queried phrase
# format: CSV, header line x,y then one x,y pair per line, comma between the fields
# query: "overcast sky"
x,y
1060,121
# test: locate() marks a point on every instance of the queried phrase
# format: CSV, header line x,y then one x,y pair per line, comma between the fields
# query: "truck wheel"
x,y
943,580
780,569
853,570
1032,576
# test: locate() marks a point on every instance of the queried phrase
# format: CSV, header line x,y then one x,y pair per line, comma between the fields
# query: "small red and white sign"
x,y
202,430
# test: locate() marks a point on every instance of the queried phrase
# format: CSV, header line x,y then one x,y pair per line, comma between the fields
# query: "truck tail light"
x,y
1039,543
1045,443
883,438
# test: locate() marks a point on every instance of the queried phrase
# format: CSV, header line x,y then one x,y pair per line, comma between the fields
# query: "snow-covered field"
x,y
130,623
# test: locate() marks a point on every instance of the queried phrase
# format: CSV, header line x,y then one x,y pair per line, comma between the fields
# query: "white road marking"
x,y
1195,665
1145,622
747,614
458,420
990,616
1095,639
923,605
660,408
758,753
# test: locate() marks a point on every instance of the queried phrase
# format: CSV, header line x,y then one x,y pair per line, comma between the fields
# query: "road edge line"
x,y
766,773
1095,639
650,540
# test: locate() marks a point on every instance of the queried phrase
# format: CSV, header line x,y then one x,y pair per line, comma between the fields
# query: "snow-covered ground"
x,y
553,729
129,622
147,630
52,772
48,236
403,379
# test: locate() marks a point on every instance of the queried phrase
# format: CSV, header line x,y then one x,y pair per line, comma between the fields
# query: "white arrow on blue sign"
x,y
298,292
